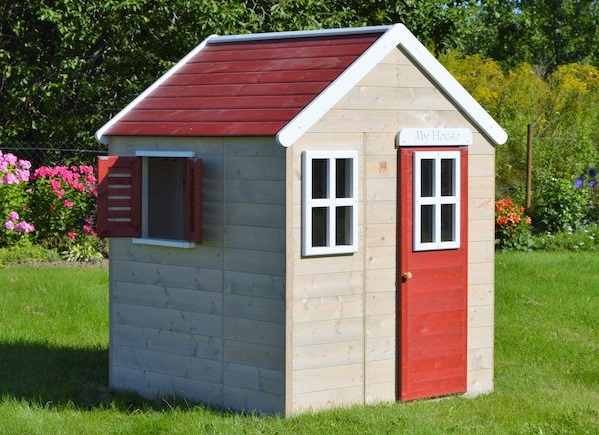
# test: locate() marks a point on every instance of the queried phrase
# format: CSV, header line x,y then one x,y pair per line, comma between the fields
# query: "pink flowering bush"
x,y
14,211
62,204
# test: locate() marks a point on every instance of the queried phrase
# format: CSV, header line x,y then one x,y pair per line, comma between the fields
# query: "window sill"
x,y
165,242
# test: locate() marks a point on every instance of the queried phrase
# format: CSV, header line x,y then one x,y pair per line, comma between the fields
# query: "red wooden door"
x,y
432,271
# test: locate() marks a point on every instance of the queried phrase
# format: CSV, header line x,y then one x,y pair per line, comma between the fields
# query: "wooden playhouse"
x,y
301,220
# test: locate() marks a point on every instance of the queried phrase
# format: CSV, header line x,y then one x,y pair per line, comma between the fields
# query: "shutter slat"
x,y
119,196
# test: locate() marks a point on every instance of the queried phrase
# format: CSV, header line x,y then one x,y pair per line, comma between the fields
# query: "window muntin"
x,y
329,202
436,200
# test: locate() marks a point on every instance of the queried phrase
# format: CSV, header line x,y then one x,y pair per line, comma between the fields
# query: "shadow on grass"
x,y
54,376
57,377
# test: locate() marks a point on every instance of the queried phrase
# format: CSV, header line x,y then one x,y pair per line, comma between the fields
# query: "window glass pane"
x,y
427,219
342,226
447,177
166,198
319,178
319,226
448,222
427,177
343,178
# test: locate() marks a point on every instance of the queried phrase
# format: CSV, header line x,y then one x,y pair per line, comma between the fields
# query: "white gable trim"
x,y
338,88
396,36
100,133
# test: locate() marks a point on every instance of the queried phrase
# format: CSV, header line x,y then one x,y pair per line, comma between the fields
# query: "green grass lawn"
x,y
54,363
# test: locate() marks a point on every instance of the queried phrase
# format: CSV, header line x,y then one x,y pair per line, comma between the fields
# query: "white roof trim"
x,y
298,34
338,88
100,133
397,36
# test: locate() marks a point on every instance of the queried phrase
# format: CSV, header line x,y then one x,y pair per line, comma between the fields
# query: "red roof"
x,y
236,87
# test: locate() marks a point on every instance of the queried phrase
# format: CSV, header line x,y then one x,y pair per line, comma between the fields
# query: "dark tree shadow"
x,y
54,376
57,377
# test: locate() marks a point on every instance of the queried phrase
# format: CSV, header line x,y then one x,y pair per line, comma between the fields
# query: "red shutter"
x,y
119,196
194,200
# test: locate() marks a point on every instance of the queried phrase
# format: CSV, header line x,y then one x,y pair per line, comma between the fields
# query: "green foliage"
x,y
563,108
27,253
558,205
68,65
539,32
580,240
84,248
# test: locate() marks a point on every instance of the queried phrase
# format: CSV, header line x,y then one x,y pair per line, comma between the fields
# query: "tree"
x,y
68,65
547,33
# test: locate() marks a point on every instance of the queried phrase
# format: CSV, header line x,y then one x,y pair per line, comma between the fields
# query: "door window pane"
x,y
436,199
319,178
448,222
427,178
427,222
447,177
319,226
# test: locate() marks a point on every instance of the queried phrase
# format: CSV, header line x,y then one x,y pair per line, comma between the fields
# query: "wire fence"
x,y
53,157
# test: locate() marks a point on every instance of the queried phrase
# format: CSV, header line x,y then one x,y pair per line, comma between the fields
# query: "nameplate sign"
x,y
415,137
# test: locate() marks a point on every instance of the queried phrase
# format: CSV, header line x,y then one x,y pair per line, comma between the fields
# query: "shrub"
x,y
559,205
53,207
14,175
27,253
588,181
512,226
62,203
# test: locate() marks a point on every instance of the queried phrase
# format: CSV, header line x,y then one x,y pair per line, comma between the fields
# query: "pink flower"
x,y
13,215
25,164
55,185
71,235
52,208
10,179
11,159
9,225
24,227
87,228
22,175
66,203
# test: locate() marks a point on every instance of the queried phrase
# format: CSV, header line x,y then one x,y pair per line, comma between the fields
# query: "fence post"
x,y
529,168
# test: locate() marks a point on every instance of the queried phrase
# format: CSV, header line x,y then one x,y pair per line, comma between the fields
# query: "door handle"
x,y
406,276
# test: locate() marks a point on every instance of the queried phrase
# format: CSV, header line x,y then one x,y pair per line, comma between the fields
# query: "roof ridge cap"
x,y
223,39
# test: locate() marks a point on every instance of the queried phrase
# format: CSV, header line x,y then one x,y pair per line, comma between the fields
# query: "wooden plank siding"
x,y
344,305
208,323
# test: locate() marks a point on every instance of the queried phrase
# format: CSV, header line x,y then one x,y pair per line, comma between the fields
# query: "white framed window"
x,y
329,202
436,200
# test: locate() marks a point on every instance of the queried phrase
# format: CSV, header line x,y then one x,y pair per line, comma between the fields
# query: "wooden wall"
x,y
208,323
341,328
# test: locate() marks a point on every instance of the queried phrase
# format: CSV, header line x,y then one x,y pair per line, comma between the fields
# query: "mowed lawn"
x,y
54,363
